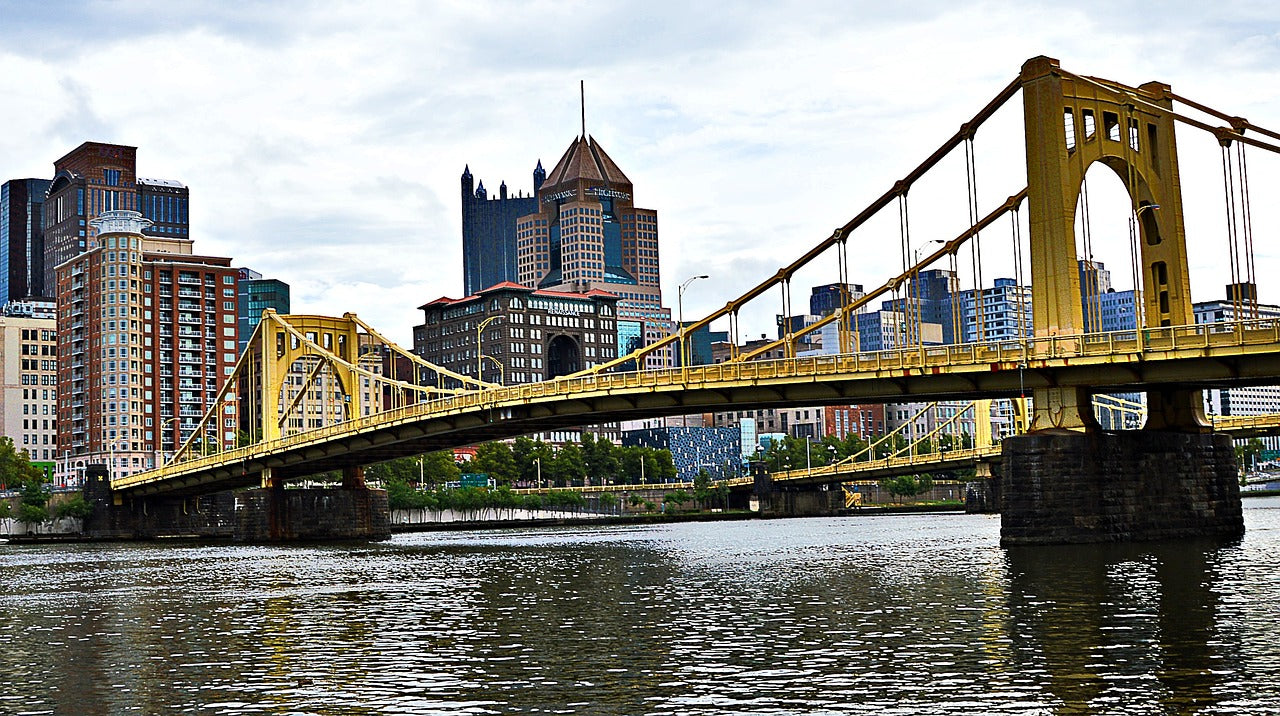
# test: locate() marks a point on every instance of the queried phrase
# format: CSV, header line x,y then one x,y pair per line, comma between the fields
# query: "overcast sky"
x,y
323,142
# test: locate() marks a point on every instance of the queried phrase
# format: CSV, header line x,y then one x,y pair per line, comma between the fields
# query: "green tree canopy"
x,y
495,458
599,455
15,465
568,464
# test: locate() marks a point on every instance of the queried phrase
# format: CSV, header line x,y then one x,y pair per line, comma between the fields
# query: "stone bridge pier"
x,y
1069,486
267,514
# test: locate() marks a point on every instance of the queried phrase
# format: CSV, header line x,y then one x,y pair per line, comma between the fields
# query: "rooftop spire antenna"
x,y
582,98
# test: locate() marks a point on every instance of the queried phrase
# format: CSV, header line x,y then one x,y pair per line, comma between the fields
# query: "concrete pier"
x,y
1081,487
271,514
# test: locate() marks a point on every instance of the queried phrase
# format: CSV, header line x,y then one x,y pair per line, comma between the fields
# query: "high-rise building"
x,y
489,252
693,449
511,334
95,178
1103,307
22,239
587,234
146,338
825,299
256,294
28,380
1004,312
1242,400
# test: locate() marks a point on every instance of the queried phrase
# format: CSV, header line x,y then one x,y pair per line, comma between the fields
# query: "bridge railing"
x,y
925,462
1010,352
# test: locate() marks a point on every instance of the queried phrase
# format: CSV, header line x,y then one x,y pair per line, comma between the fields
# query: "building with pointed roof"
x,y
489,230
587,234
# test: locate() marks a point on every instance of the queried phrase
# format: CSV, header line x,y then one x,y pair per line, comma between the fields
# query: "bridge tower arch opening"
x,y
1073,123
312,395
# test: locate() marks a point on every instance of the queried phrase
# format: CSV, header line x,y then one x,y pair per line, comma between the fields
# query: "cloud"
x,y
323,141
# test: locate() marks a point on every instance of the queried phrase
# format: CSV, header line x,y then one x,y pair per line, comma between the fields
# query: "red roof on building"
x,y
442,299
504,284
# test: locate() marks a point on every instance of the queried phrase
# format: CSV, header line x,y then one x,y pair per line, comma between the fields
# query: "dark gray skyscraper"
x,y
22,239
489,231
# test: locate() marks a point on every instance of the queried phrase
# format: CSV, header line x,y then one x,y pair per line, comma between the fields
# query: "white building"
x,y
28,380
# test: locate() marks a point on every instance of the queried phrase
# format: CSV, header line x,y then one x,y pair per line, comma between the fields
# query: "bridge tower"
x,y
1068,481
1071,125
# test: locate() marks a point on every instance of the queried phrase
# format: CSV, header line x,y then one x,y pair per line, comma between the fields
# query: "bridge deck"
x,y
1207,355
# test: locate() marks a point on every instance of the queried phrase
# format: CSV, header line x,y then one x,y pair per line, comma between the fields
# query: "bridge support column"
x,y
274,514
353,478
1063,487
1062,408
982,494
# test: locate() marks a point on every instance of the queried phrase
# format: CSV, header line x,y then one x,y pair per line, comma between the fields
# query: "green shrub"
x,y
32,514
75,507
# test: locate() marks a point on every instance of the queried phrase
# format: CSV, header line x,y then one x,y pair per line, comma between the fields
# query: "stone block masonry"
x,y
1072,488
262,515
274,515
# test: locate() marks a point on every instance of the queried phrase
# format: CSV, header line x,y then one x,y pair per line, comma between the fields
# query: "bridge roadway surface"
x,y
1202,356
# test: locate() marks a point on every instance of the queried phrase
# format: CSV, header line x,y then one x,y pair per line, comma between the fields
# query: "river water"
x,y
886,615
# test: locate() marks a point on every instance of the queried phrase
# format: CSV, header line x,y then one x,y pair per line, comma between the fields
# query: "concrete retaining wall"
x,y
430,517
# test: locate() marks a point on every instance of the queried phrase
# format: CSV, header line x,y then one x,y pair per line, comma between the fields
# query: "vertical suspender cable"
x,y
1246,215
1091,289
904,302
975,250
842,325
1017,270
1233,249
953,286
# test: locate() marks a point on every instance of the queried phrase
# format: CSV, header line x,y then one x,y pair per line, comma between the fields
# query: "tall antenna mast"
x,y
582,94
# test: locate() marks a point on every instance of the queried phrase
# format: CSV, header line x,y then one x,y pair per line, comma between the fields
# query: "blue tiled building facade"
x,y
719,450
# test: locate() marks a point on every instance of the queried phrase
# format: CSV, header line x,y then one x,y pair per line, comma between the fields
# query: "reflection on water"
x,y
898,615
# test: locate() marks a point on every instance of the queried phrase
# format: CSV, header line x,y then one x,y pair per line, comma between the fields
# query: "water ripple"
x,y
886,615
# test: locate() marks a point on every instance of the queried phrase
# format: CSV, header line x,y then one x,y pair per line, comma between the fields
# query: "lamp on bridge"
x,y
684,353
177,440
832,449
479,351
502,370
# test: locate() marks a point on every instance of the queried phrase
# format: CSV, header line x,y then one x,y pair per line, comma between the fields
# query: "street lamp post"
x,y
537,461
421,472
479,352
502,370
684,357
177,438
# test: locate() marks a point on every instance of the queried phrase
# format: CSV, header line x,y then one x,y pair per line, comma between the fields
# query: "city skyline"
x,y
755,134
